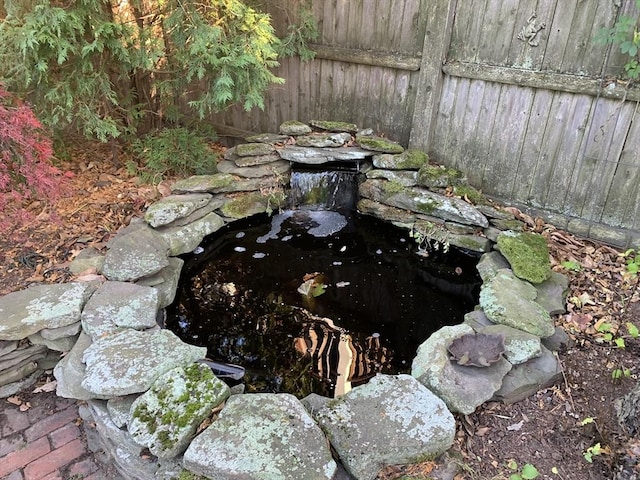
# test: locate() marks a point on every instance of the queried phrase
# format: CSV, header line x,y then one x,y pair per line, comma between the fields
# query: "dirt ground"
x,y
567,432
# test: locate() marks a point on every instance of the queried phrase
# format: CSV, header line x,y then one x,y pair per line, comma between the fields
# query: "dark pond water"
x,y
310,301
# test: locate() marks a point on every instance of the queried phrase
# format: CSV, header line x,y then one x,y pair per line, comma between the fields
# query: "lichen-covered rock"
x,y
184,239
267,138
378,144
278,167
374,425
403,177
172,207
261,436
26,312
552,293
130,361
119,305
70,371
323,140
318,156
507,300
227,183
407,160
489,264
527,253
137,251
165,417
88,258
293,128
165,282
254,149
463,389
439,176
251,203
519,346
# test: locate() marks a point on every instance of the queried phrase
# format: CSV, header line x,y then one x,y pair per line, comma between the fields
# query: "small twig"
x,y
566,382
78,209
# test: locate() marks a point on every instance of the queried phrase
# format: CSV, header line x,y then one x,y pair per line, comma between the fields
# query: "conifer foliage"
x,y
107,68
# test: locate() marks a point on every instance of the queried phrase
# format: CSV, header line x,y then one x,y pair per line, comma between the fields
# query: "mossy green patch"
x,y
392,187
470,193
527,253
439,176
413,160
379,144
254,149
245,205
331,126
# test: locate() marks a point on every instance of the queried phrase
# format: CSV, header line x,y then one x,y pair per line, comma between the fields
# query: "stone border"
x,y
116,351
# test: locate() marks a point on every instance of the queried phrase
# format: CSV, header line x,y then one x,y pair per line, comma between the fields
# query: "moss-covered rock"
x,y
293,127
407,160
439,176
527,253
254,149
334,126
251,203
379,144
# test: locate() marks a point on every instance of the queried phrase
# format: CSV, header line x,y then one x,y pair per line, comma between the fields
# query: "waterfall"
x,y
324,190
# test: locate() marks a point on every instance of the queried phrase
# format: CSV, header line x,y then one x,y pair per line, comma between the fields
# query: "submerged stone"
x,y
26,312
261,436
130,361
165,417
374,425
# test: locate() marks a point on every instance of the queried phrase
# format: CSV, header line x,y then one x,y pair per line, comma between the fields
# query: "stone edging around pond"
x,y
146,392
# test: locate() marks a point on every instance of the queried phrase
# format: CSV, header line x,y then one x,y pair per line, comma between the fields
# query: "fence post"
x,y
437,37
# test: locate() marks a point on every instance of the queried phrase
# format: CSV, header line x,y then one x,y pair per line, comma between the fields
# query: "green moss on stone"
x,y
392,187
245,205
379,144
474,195
528,255
413,160
427,207
331,126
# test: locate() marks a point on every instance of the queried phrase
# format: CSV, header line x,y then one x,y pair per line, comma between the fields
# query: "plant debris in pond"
x,y
310,301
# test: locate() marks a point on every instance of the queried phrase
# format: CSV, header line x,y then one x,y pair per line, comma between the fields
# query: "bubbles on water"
x,y
240,234
239,249
259,255
379,252
198,250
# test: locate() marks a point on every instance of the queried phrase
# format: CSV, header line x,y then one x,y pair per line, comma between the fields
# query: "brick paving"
x,y
46,441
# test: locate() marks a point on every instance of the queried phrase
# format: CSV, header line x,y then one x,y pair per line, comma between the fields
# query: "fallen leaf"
x,y
516,426
50,386
24,407
15,400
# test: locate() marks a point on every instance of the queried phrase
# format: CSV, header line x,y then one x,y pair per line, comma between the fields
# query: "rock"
x,y
165,282
403,177
552,293
423,201
378,144
278,167
119,305
293,127
70,371
463,389
492,212
59,344
323,140
557,341
317,156
507,225
489,264
165,417
519,346
89,258
527,378
137,251
374,425
439,176
254,161
267,138
26,312
477,319
61,332
11,389
185,239
7,347
119,409
173,207
628,411
249,204
510,301
261,436
334,126
18,358
227,183
527,253
254,149
129,361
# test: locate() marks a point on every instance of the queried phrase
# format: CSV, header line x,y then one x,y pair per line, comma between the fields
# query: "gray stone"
x,y
552,293
119,409
611,235
423,201
407,160
253,161
215,203
507,300
26,353
317,156
249,204
463,389
492,233
129,361
527,378
511,224
557,341
61,332
460,229
323,140
492,212
227,183
374,425
261,436
7,347
70,371
628,411
314,402
28,311
254,149
278,167
165,282
294,127
332,126
18,372
519,346
173,207
165,417
267,138
403,177
63,344
489,264
49,361
137,251
119,305
26,382
88,259
186,238
477,319
378,144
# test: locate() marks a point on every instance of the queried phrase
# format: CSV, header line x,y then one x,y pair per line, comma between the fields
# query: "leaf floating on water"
x,y
318,289
305,288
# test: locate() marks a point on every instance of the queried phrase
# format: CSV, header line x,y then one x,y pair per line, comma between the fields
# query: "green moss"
x,y
187,475
528,255
427,206
379,144
334,126
392,187
254,149
474,195
413,160
439,176
245,205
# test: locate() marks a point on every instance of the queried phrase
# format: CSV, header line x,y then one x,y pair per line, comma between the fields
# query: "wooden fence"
x,y
515,93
